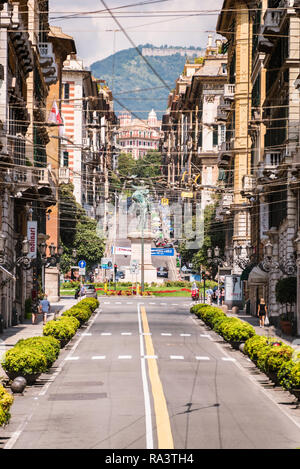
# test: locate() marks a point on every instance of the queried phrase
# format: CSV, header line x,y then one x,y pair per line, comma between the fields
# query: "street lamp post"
x,y
218,260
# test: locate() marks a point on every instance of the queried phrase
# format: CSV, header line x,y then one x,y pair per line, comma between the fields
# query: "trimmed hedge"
x,y
231,329
47,345
83,310
6,401
62,329
24,360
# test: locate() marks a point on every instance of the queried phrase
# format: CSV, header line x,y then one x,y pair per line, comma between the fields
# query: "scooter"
x,y
195,294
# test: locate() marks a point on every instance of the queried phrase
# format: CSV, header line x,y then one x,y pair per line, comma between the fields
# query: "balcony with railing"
x,y
47,61
272,159
63,175
224,154
271,26
229,91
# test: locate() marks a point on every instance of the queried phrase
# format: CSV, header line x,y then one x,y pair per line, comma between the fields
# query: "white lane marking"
x,y
105,333
150,356
185,335
148,417
86,334
163,304
23,425
264,391
228,359
165,334
125,357
177,357
126,333
129,303
71,358
202,358
99,357
204,335
107,302
147,333
174,304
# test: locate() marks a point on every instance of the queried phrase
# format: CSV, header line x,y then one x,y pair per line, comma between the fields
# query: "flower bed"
x,y
6,401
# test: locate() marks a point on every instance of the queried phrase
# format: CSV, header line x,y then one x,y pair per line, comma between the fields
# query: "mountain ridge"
x,y
126,73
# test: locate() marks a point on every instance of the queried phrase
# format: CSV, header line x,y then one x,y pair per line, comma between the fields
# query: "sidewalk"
x,y
12,335
269,331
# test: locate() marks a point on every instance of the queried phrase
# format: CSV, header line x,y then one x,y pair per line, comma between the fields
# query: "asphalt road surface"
x,y
146,374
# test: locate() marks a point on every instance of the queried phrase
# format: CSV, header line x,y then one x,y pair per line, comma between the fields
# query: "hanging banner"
x,y
32,239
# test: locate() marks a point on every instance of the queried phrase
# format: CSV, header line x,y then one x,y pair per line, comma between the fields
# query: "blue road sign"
x,y
82,264
162,252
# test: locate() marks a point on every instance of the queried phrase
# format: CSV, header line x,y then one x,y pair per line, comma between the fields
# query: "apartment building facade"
x,y
137,136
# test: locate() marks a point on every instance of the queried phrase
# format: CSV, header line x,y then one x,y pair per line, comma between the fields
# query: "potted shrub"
x,y
25,361
289,377
6,400
286,294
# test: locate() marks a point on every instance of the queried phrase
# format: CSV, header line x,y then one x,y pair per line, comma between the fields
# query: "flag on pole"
x,y
55,118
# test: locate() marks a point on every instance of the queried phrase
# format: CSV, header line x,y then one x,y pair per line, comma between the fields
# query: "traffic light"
x,y
115,269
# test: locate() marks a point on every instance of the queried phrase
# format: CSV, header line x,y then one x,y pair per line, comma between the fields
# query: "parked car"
x,y
120,275
162,272
90,291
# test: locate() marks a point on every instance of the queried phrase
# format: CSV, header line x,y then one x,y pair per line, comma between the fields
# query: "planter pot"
x,y
30,379
286,327
236,344
273,377
296,393
64,342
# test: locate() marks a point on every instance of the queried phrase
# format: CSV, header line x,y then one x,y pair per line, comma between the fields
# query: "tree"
x,y
150,166
77,230
214,235
88,245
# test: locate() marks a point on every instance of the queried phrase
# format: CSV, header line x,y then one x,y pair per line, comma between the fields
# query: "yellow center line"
x,y
163,426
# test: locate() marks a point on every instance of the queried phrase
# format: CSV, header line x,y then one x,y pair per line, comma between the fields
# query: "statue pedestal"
x,y
150,274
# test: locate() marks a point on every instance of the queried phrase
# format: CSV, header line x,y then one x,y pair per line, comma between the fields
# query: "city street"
x,y
146,374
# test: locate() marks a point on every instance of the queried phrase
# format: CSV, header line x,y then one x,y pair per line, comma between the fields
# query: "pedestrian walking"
x,y
82,291
45,308
262,312
222,296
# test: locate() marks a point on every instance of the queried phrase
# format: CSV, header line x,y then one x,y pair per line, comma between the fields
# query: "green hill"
x,y
125,72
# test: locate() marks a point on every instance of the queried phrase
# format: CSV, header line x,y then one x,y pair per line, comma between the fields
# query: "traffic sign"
x,y
81,270
162,252
134,267
106,263
82,264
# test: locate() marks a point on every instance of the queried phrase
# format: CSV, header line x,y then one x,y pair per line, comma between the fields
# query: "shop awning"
x,y
246,272
257,276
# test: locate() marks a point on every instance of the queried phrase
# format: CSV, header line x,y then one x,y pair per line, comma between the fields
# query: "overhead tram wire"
x,y
135,46
75,14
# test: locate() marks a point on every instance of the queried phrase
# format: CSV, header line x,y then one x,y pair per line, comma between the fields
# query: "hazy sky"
x,y
145,23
